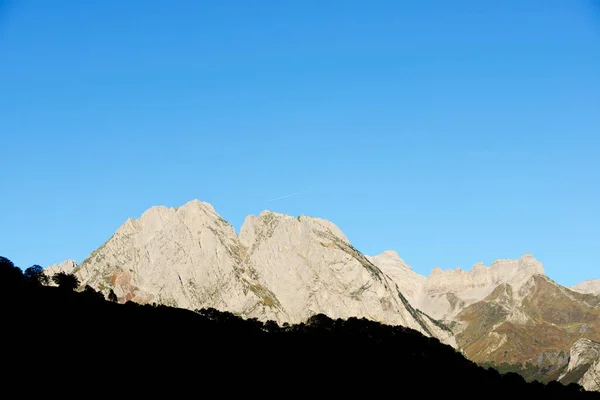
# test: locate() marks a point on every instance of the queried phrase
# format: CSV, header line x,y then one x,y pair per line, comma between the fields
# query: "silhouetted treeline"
x,y
56,340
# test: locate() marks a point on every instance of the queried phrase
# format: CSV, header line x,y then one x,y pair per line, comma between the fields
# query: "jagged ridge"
x,y
278,267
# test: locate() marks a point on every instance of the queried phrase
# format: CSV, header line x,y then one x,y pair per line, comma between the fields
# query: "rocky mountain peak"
x,y
591,286
391,254
478,269
65,266
409,282
269,212
268,222
524,263
391,259
528,261
197,204
444,293
279,267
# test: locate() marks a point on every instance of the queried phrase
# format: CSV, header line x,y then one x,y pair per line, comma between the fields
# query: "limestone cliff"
x,y
409,282
187,257
591,286
584,363
286,269
66,266
444,294
591,378
279,267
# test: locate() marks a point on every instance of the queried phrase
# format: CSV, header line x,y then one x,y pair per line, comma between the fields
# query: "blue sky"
x,y
452,132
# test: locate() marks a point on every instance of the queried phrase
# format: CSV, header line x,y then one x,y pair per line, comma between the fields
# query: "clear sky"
x,y
450,131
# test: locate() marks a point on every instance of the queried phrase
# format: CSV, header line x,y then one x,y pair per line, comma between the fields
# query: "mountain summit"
x,y
443,294
508,314
279,267
288,269
591,286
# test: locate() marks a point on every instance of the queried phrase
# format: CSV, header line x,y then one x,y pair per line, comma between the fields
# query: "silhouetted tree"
x,y
112,296
271,326
35,274
9,273
6,263
320,321
92,294
66,281
575,387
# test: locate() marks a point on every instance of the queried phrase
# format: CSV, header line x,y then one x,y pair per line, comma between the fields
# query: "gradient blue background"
x,y
450,131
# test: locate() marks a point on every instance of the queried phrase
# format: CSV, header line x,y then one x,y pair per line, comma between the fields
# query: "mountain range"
x,y
287,269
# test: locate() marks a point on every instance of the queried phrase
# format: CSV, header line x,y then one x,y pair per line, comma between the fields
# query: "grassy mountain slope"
x,y
534,328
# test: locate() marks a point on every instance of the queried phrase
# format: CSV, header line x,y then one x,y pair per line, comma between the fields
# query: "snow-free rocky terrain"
x,y
509,312
286,269
279,267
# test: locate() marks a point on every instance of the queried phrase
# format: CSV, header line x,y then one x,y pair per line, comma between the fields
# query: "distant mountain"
x,y
279,267
591,286
67,266
287,269
409,282
535,324
509,315
445,293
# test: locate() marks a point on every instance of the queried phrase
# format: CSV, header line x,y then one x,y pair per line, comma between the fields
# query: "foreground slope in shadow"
x,y
79,343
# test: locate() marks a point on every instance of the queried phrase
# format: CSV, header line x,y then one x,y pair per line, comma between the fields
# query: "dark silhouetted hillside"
x,y
71,343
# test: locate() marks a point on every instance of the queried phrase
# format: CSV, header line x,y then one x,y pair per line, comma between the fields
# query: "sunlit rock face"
x,y
591,379
409,282
287,269
584,364
279,267
443,294
591,286
67,266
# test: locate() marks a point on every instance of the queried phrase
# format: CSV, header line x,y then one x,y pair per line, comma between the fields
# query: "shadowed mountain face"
x,y
279,267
